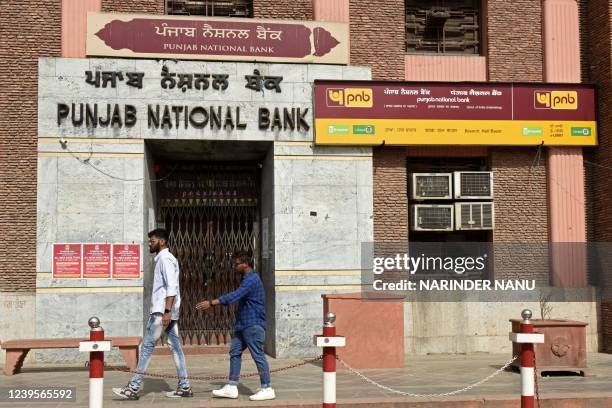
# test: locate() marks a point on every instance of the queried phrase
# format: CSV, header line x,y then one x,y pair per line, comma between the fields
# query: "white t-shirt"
x,y
166,283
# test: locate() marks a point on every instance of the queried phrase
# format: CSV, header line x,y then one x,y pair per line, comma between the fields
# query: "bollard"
x,y
527,338
96,346
329,341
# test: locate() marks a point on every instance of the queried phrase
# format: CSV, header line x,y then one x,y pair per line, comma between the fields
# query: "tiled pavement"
x,y
302,386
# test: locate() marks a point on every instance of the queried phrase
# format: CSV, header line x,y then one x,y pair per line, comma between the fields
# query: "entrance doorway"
x,y
211,210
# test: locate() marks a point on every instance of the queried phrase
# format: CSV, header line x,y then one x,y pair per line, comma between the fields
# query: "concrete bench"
x,y
17,350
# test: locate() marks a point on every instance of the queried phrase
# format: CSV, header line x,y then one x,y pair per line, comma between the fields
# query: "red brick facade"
x,y
599,53
514,40
390,195
283,9
19,52
134,6
377,37
521,214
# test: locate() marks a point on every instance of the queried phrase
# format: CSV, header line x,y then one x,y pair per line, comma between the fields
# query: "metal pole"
x,y
527,364
96,366
329,363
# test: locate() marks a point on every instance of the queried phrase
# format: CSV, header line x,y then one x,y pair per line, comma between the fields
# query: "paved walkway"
x,y
302,386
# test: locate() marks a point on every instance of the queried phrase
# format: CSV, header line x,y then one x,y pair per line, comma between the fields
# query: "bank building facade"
x,y
272,127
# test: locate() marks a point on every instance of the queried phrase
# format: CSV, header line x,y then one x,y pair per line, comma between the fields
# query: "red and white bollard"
x,y
329,341
527,338
96,346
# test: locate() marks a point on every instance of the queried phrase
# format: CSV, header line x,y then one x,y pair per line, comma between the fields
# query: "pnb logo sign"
x,y
350,98
567,100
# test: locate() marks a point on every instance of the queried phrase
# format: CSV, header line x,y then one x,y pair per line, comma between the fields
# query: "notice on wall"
x,y
67,261
126,261
485,114
97,261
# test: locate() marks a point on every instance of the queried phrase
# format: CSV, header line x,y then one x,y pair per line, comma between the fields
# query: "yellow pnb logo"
x,y
556,100
350,97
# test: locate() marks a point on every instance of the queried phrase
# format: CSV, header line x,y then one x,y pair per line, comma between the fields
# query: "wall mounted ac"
x,y
432,186
476,185
431,217
474,216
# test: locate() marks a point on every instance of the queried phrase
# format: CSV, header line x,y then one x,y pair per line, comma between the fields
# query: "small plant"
x,y
545,307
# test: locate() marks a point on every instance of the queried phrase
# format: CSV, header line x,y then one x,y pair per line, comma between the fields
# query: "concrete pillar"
x,y
74,25
565,164
331,10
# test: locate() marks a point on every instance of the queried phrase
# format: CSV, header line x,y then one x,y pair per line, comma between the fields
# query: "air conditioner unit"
x,y
430,186
431,217
474,216
474,185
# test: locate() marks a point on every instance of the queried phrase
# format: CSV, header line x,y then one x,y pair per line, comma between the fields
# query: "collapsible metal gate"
x,y
210,211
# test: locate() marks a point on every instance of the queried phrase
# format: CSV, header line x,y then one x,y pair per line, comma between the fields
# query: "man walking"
x,y
250,329
165,304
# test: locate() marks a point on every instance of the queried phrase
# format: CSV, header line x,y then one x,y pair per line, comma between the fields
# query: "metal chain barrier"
x,y
215,377
444,394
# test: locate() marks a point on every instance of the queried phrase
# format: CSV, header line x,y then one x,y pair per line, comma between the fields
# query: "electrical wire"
x,y
87,161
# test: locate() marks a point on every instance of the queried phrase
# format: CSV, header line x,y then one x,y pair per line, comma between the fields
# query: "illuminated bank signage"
x,y
410,113
206,38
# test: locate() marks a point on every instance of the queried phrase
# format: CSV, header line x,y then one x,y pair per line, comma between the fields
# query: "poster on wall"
x,y
483,114
215,38
97,261
126,261
67,261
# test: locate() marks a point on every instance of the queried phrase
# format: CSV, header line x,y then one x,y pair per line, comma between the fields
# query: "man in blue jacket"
x,y
250,329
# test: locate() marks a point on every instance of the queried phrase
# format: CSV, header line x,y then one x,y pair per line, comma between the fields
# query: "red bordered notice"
x,y
97,261
126,261
67,260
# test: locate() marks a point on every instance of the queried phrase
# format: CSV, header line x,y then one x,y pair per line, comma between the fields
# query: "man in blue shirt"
x,y
250,329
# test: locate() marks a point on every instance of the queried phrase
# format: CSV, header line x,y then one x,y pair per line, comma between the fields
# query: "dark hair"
x,y
243,257
159,233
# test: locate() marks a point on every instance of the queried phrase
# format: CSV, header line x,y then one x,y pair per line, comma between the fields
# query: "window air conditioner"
x,y
474,185
431,217
474,216
429,186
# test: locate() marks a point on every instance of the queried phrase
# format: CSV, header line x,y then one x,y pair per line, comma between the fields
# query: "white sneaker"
x,y
263,394
228,391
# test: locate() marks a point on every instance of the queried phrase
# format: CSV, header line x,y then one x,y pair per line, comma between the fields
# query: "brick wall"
x,y
283,9
134,6
377,37
584,38
514,32
521,214
390,195
599,52
19,52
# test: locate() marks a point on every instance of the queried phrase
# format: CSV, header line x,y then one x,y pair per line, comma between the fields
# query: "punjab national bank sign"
x,y
146,36
410,113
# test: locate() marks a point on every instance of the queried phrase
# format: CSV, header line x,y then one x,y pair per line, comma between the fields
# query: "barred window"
x,y
443,26
212,8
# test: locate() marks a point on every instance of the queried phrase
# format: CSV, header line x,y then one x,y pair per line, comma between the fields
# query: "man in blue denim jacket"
x,y
250,329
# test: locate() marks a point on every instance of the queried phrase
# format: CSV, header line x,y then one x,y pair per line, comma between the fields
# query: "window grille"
x,y
443,26
211,8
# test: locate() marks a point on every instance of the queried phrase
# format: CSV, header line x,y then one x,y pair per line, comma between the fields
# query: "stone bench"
x,y
17,350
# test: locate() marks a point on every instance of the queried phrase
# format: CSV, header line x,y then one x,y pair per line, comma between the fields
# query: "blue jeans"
x,y
153,333
252,338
